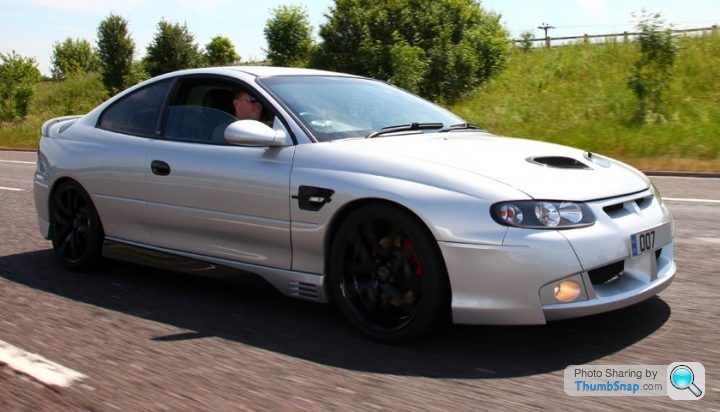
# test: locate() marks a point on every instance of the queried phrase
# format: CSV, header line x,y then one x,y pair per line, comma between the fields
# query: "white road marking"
x,y
44,370
12,189
698,176
679,199
20,162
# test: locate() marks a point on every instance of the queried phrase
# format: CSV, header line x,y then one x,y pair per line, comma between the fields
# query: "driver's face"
x,y
247,107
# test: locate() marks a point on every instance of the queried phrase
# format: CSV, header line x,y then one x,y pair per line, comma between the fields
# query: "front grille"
x,y
607,273
612,272
625,208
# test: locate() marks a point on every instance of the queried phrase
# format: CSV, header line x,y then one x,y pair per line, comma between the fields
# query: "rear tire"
x,y
77,234
387,275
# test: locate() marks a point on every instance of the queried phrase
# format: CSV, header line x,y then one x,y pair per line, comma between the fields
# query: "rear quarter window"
x,y
138,112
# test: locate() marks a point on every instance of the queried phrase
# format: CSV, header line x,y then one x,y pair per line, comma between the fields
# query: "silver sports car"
x,y
338,188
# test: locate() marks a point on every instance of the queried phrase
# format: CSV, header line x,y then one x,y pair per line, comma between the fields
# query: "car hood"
x,y
539,169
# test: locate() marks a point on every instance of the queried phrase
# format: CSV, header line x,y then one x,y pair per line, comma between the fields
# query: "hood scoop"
x,y
558,162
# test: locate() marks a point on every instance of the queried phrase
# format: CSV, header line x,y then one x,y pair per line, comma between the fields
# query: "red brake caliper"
x,y
413,259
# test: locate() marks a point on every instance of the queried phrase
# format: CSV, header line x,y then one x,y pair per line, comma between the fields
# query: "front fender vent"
x,y
304,290
558,162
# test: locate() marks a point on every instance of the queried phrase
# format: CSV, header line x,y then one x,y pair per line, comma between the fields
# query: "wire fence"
x,y
625,36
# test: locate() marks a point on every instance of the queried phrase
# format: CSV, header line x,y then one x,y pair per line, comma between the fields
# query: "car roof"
x,y
261,71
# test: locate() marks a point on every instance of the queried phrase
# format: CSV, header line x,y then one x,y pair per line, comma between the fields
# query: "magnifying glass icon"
x,y
682,377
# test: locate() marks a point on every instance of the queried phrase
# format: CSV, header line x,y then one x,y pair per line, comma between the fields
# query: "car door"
x,y
210,198
113,169
222,201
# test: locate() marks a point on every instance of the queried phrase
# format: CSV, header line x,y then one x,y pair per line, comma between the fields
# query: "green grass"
x,y
52,98
575,95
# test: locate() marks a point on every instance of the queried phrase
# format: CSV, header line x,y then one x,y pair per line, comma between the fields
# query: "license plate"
x,y
650,240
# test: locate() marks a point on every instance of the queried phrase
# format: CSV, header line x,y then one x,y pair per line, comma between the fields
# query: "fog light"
x,y
567,291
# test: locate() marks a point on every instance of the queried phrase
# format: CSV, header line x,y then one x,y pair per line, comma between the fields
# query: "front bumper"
x,y
512,283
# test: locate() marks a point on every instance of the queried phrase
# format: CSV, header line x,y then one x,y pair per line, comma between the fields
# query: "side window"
x,y
197,124
200,111
138,112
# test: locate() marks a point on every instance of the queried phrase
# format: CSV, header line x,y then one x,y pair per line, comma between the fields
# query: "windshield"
x,y
345,107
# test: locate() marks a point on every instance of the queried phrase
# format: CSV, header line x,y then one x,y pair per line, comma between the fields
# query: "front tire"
x,y
387,275
77,234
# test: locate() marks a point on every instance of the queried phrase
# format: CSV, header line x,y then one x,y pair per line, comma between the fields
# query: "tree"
x,y
137,74
18,77
221,52
289,36
409,64
173,48
526,41
116,50
652,72
72,57
451,46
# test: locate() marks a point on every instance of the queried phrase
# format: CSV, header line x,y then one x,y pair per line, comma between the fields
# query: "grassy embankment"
x,y
575,95
52,99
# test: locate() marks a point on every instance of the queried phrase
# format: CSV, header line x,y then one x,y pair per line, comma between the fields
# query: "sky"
x,y
31,27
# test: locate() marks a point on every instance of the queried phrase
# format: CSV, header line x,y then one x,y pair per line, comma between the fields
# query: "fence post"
x,y
625,37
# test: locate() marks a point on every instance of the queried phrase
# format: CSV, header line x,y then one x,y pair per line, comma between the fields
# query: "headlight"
x,y
511,214
542,214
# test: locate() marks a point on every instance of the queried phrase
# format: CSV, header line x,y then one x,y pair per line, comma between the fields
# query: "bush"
x,y
18,77
408,65
77,94
173,48
652,73
289,36
446,47
73,56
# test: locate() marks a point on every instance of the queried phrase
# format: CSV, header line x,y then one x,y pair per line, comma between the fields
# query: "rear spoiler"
x,y
45,129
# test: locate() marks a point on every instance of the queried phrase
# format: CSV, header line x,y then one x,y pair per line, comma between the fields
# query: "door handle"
x,y
160,168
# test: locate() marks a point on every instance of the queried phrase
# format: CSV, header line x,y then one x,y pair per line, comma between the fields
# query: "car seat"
x,y
220,99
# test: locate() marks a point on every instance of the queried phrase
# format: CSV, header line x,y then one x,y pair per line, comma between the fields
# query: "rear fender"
x,y
57,125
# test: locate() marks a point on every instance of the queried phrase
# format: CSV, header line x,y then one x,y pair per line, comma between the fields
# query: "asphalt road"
x,y
151,340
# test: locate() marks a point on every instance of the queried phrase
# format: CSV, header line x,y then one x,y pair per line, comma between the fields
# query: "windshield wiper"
x,y
461,126
404,128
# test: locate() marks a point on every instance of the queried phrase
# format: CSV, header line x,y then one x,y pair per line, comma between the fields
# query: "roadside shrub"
x,y
448,46
77,94
652,72
18,77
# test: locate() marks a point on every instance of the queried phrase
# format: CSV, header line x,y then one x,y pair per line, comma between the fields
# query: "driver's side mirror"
x,y
254,133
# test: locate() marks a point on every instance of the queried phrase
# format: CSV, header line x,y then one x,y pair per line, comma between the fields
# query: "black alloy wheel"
x,y
76,231
387,274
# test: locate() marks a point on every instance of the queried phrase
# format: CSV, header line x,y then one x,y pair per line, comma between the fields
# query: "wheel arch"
x,y
51,193
346,210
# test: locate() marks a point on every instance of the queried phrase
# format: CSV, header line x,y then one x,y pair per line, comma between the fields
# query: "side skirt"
x,y
300,285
